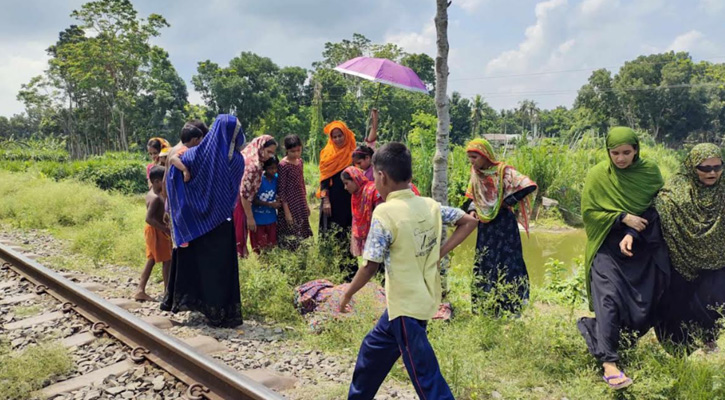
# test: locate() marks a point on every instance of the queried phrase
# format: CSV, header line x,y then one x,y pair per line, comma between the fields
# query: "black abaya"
x,y
204,277
625,290
336,229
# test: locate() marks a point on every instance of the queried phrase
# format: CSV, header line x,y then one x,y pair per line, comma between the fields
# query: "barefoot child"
x,y
264,208
156,233
405,234
293,224
364,200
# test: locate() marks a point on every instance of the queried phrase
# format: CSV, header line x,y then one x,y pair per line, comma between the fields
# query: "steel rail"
x,y
206,378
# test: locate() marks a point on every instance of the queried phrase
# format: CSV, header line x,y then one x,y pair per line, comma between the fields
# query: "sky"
x,y
505,50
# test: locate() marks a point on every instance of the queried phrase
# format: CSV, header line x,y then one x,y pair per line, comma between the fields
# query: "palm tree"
x,y
476,115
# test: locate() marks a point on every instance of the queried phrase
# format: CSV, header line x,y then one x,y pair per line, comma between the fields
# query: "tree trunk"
x,y
440,160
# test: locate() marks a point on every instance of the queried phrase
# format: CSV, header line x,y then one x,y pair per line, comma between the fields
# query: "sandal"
x,y
620,385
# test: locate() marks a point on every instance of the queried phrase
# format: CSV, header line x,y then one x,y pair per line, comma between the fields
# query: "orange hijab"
x,y
334,159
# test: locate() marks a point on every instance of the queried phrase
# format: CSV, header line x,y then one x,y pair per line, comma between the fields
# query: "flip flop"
x,y
620,385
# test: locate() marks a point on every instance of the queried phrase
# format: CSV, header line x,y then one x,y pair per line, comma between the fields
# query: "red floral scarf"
x,y
363,203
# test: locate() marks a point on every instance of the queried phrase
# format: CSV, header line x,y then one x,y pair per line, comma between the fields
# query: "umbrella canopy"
x,y
384,71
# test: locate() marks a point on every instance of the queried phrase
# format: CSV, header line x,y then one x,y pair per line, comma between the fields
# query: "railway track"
x,y
146,343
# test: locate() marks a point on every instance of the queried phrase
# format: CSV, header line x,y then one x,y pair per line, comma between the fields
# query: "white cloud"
x,y
469,5
416,42
696,43
540,39
686,41
594,7
22,62
713,6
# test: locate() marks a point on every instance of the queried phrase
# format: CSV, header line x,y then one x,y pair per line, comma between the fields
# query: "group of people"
x,y
655,252
210,195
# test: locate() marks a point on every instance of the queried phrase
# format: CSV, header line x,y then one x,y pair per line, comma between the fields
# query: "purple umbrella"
x,y
384,71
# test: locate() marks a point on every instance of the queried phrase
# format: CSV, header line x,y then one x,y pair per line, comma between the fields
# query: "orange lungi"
x,y
158,245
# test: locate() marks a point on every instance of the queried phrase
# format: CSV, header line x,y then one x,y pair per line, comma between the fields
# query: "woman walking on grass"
x,y
692,209
626,258
493,190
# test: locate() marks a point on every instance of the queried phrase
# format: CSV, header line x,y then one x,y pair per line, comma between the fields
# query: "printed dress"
x,y
291,190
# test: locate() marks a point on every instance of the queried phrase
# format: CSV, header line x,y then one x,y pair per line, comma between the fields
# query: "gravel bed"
x,y
141,383
251,346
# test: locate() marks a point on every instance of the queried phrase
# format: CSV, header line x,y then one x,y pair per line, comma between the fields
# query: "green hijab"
x,y
610,191
693,216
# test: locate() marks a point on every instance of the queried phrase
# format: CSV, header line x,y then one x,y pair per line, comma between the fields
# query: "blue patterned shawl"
x,y
216,168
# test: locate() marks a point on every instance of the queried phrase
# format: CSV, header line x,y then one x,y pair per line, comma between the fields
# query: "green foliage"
x,y
46,149
115,171
21,373
106,86
103,226
563,287
119,171
421,141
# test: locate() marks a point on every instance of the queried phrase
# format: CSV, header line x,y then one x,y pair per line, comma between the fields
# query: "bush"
x,y
21,373
116,171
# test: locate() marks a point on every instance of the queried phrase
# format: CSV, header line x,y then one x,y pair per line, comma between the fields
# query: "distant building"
x,y
502,140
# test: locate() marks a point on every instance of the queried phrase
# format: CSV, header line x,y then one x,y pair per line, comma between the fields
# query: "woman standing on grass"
x,y
255,154
204,275
336,215
493,190
692,209
293,223
626,258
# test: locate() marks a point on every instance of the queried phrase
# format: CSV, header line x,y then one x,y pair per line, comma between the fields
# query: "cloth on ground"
x,y
319,301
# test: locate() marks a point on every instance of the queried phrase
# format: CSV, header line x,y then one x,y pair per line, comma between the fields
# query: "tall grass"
x,y
103,226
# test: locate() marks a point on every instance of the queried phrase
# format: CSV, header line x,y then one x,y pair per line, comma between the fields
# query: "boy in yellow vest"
x,y
405,235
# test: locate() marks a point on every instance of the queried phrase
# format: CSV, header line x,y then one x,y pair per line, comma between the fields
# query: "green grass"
x,y
538,356
21,373
105,227
26,311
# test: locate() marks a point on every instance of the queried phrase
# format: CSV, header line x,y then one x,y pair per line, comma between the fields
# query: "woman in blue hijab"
x,y
204,274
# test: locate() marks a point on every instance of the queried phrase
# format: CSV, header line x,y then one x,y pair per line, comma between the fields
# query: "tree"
x,y
528,114
460,111
555,122
337,53
656,95
600,100
246,88
106,85
423,65
440,160
483,117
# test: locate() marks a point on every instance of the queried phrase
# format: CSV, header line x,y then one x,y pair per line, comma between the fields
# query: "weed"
x,y
21,373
